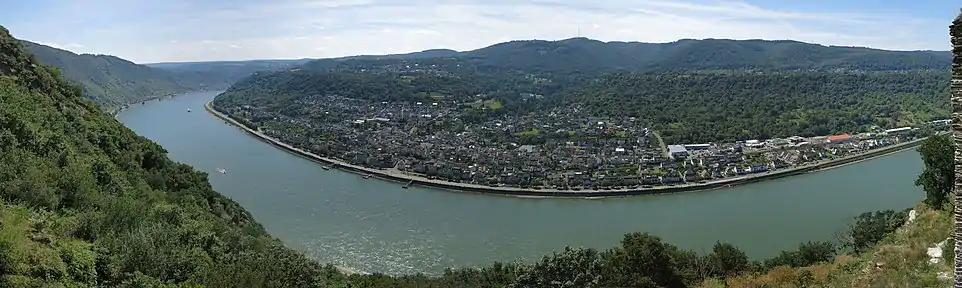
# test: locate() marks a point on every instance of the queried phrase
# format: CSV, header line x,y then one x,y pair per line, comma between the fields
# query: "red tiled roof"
x,y
839,137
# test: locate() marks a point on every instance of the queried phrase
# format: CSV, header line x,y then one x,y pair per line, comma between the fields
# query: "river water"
x,y
376,226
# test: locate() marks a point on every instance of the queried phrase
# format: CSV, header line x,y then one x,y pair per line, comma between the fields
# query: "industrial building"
x,y
697,146
839,138
677,151
898,130
754,143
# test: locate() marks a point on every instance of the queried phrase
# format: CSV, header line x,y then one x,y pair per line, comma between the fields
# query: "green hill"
x,y
699,108
114,82
587,56
689,90
224,73
683,107
86,202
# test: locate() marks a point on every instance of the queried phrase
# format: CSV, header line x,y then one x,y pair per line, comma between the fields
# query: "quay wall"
x,y
529,192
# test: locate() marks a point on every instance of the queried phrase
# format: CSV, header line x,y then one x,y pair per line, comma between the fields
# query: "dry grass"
x,y
900,260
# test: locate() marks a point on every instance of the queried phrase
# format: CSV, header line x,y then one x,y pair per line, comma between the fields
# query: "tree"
x,y
642,260
571,268
938,176
727,260
871,227
808,254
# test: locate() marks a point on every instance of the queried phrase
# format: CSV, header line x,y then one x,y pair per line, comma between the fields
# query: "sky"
x,y
150,31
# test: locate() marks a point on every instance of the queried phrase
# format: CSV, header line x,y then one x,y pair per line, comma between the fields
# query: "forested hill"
x,y
113,82
227,72
85,202
584,55
710,107
690,90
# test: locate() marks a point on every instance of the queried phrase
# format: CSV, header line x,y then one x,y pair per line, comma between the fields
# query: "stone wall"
x,y
955,32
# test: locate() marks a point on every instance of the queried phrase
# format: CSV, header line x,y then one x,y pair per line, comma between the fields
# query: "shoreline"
x,y
342,269
545,193
116,112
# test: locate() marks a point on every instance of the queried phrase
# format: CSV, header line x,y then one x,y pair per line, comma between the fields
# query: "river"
x,y
376,226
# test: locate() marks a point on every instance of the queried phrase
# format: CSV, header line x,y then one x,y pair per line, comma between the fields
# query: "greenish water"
x,y
372,225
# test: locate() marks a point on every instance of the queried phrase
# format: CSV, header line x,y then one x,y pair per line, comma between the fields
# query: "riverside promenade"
x,y
530,192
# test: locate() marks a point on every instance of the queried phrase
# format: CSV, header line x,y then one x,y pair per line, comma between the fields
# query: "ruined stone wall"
x,y
955,32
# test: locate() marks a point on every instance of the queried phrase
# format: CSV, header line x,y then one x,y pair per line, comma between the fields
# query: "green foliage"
x,y
642,261
808,253
592,57
571,268
871,227
95,204
700,108
689,101
938,176
948,251
727,260
113,82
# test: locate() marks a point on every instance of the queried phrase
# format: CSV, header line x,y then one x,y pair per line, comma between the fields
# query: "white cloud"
x,y
308,28
73,47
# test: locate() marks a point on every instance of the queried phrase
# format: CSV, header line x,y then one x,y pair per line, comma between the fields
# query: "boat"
x,y
188,110
410,183
367,176
325,167
222,170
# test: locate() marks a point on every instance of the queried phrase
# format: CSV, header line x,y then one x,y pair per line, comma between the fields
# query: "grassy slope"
x,y
902,254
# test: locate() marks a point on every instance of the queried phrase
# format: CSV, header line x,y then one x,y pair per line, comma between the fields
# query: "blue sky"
x,y
146,31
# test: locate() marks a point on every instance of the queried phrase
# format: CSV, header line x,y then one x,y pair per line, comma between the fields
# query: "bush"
x,y
871,227
807,254
727,260
948,251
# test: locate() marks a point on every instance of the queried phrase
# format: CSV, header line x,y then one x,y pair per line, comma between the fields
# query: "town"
x,y
562,148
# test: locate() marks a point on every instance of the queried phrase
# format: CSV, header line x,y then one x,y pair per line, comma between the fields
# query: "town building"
x,y
898,130
697,146
839,138
677,151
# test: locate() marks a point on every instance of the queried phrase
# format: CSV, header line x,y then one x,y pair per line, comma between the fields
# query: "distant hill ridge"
x,y
583,54
228,72
689,90
113,82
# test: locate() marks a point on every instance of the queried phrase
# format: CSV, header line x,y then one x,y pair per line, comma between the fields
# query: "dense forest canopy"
x,y
592,56
86,202
699,108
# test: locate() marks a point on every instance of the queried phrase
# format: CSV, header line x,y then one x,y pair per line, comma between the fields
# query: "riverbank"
x,y
530,192
117,110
